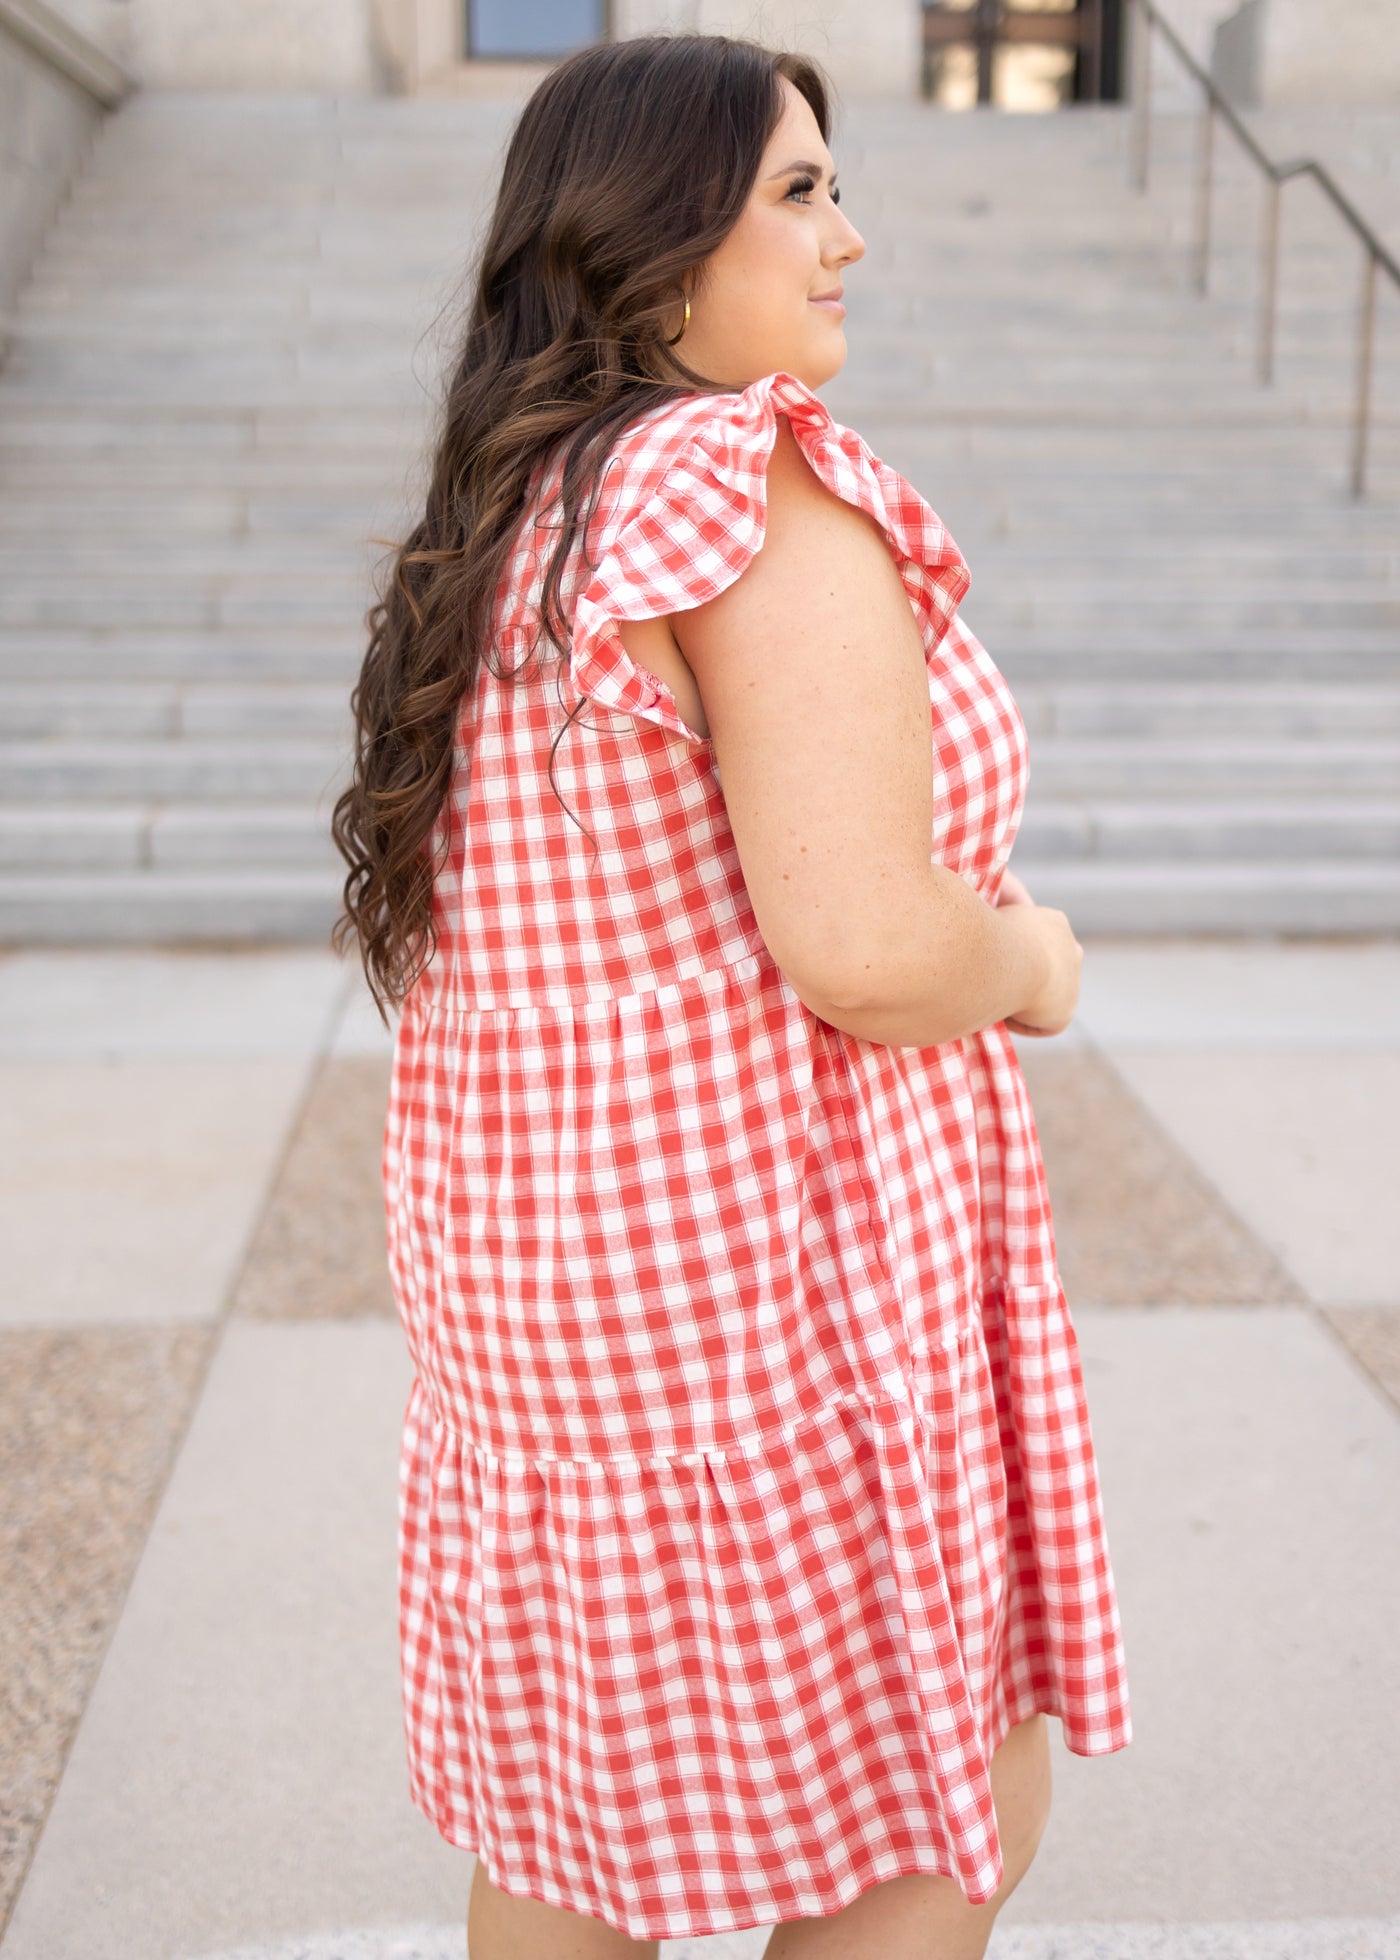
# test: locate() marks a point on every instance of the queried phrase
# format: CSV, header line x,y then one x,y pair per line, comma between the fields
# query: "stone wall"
x,y
869,47
1305,53
46,126
1311,51
256,44
1315,54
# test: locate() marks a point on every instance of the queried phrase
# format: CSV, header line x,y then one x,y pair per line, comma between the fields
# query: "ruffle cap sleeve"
x,y
701,514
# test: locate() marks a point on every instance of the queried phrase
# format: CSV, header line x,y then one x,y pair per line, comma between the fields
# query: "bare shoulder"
x,y
824,564
822,560
806,520
811,670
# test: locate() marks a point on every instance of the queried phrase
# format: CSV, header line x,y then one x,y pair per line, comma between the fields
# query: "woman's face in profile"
x,y
758,304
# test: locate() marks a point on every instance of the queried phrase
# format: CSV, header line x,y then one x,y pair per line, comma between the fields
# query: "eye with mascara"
x,y
810,184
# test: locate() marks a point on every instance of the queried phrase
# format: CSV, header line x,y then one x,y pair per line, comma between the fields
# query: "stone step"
x,y
287,652
275,478
982,498
288,525
1005,548
976,200
220,369
173,836
117,710
1191,428
377,431
189,564
996,610
145,600
1360,830
139,224
952,389
1042,656
294,653
171,907
1194,440
1311,895
144,314
1010,517
1196,612
1264,710
1017,516
1314,895
57,428
1212,768
191,771
998,544
195,576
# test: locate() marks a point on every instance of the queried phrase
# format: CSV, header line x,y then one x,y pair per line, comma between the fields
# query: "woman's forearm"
x,y
950,965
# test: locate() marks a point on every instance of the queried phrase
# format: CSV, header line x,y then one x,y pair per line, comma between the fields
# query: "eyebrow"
x,y
802,163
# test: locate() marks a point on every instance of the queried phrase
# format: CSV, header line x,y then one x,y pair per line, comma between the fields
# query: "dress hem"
x,y
739,1921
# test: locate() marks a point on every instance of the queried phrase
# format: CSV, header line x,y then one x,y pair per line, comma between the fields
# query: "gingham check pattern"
x,y
748,1494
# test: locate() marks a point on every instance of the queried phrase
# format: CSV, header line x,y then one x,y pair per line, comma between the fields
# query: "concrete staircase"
x,y
1201,628
215,397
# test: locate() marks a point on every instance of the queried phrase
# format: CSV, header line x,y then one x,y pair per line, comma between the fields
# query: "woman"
x,y
749,1518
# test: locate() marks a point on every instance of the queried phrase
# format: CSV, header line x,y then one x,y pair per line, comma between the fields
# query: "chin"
x,y
822,366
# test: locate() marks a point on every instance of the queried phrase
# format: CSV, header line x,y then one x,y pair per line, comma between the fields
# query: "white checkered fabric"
x,y
748,1494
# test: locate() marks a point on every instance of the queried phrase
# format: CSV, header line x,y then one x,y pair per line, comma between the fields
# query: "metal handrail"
x,y
1277,174
67,51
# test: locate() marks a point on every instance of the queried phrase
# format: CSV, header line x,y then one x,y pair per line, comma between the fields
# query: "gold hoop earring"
x,y
684,324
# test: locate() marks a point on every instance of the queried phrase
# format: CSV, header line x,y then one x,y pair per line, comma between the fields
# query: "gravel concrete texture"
x,y
358,1028
1263,992
245,1725
1135,1221
239,1770
71,1003
1304,1146
319,1249
1251,1477
1320,1939
1274,1066
1372,1334
145,1099
90,1419
130,1184
1249,1448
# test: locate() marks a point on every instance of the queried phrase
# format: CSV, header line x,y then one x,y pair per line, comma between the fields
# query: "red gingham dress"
x,y
747,1494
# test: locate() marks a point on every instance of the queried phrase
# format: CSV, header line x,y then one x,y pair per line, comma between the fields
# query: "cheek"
x,y
767,266
783,260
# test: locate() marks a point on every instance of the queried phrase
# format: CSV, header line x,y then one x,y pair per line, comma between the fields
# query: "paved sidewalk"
x,y
202,1379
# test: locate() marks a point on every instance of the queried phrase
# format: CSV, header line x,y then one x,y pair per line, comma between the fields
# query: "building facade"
x,y
1306,52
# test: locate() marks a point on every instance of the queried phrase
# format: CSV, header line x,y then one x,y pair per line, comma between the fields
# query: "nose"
x,y
849,245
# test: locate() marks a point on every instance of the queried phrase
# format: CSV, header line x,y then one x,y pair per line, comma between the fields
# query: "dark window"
x,y
532,28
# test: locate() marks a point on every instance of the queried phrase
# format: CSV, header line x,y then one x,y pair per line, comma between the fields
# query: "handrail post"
x,y
1142,89
1268,279
1203,199
1148,20
1363,375
42,30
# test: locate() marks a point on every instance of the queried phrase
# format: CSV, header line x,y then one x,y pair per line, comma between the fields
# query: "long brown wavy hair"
x,y
629,165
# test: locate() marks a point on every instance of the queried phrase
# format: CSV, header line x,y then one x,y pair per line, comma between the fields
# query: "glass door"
x,y
1020,54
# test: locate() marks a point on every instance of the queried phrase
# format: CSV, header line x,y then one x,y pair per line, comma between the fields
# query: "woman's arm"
x,y
812,674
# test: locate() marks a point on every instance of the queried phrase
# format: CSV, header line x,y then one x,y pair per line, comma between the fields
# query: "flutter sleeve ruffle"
x,y
697,514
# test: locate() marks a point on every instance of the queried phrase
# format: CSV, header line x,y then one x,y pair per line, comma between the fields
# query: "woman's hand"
x,y
1013,892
